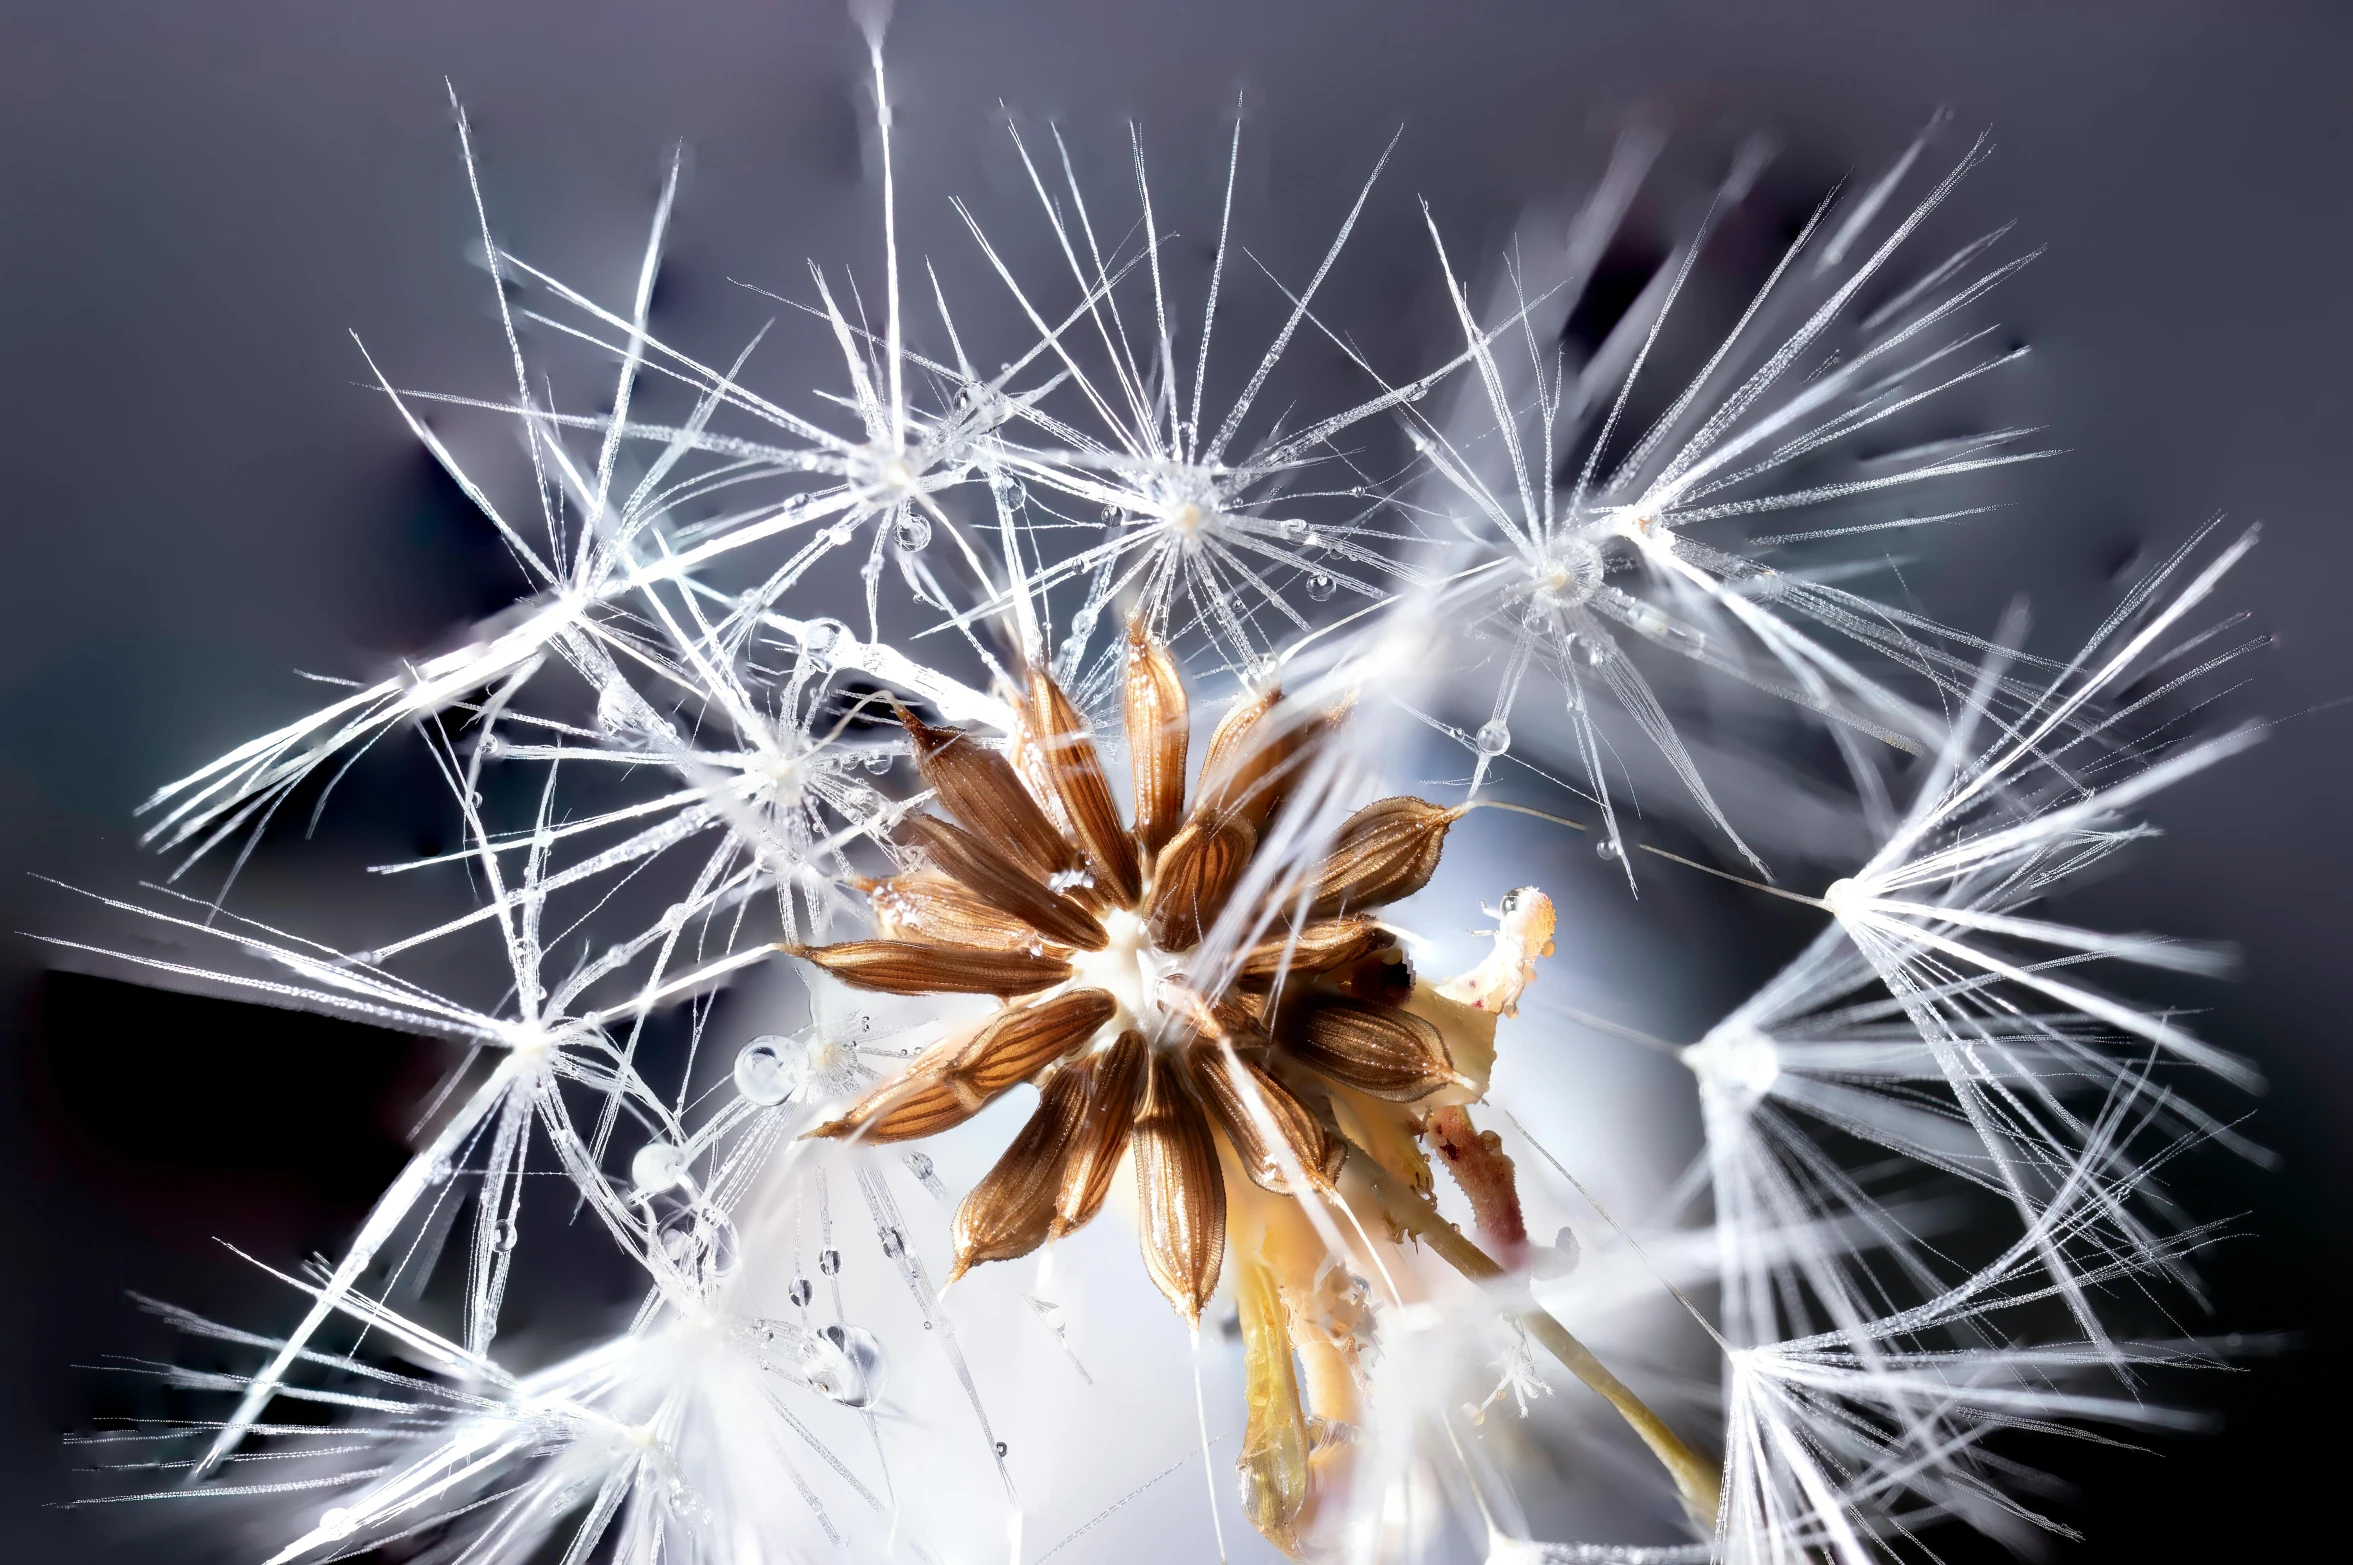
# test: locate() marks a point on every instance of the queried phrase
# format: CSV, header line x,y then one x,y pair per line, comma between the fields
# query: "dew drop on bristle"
x,y
912,534
658,1166
823,637
893,1244
829,1262
1320,587
1002,1448
504,1235
802,1291
1494,737
1607,848
770,1069
843,1362
337,1522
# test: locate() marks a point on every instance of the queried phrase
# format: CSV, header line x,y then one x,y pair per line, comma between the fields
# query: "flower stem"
x,y
1697,1480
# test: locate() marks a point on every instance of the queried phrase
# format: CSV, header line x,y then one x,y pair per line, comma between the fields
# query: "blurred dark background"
x,y
199,498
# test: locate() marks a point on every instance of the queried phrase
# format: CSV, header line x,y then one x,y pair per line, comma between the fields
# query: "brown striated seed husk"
x,y
1018,1044
1115,1086
983,791
1011,1211
1157,733
1388,849
1318,947
1075,772
917,967
1379,1050
1242,748
1196,873
921,1100
1263,759
927,907
1180,1191
980,865
1274,1134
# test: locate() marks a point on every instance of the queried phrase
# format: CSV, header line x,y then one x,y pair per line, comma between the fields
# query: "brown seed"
x,y
983,791
1011,1211
1379,1050
1278,1138
1258,754
1196,874
1241,747
1019,1043
996,879
1157,733
916,967
1075,773
1115,1086
1180,1191
934,908
921,1101
1388,849
1317,947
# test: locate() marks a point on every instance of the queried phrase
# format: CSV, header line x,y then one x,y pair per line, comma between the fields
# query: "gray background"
x,y
200,201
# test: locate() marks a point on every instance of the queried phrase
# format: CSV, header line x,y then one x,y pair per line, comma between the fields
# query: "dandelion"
x,y
974,942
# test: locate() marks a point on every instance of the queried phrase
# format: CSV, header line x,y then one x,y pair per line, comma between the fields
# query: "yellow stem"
x,y
1697,1479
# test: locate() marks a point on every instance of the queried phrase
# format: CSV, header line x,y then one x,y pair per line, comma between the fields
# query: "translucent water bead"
x,y
771,1069
1494,738
658,1166
912,534
843,1362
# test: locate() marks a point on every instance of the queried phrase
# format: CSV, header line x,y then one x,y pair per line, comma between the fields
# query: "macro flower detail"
x,y
737,971
1223,1083
1038,893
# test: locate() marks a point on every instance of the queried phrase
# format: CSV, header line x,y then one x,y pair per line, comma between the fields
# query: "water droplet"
x,y
893,1243
1494,737
824,637
337,1522
843,1362
802,1291
878,759
699,1241
829,1262
1295,530
912,534
771,1069
1320,587
658,1166
919,1164
840,533
1607,848
504,1235
438,1172
1082,624
1001,1448
1070,880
